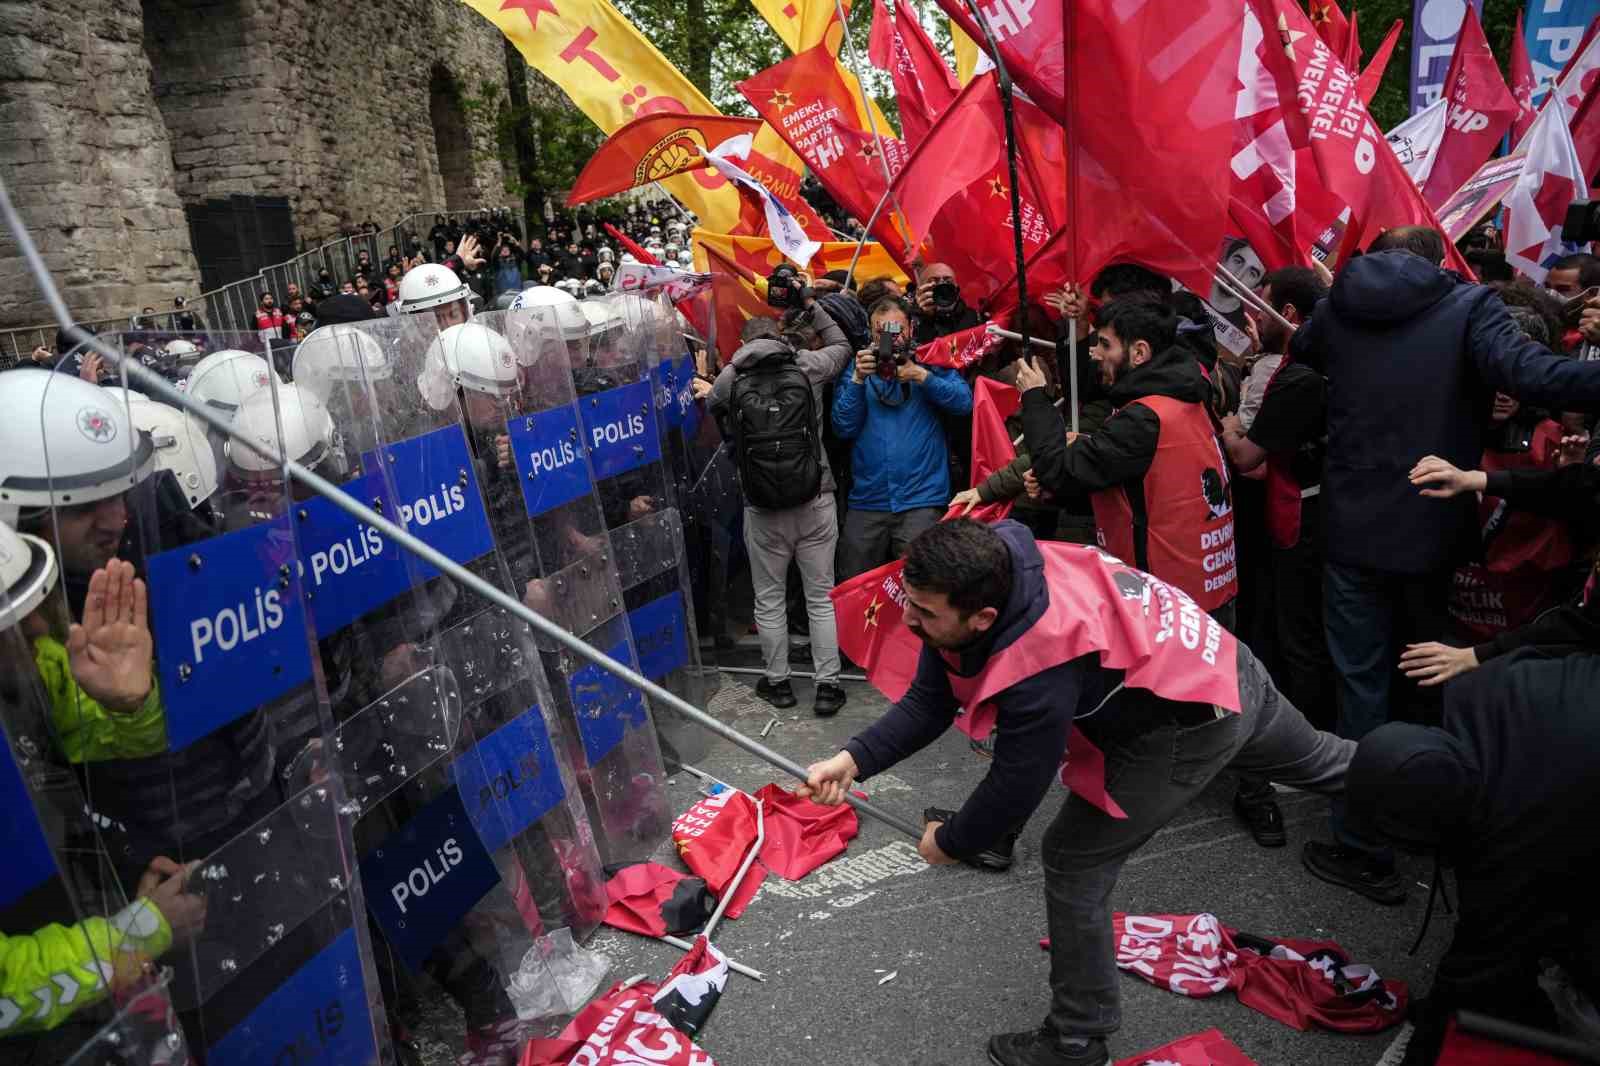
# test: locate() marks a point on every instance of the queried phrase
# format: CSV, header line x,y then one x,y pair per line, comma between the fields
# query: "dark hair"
x,y
1140,319
1490,265
1424,241
965,560
1588,268
873,290
761,327
1295,285
1527,295
1125,279
843,277
888,304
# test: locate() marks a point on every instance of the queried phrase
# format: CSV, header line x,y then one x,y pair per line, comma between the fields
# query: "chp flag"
x,y
1552,177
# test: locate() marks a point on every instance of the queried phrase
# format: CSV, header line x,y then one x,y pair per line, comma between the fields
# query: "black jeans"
x,y
1153,776
1305,667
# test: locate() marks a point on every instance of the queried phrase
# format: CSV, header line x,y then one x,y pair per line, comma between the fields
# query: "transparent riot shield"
x,y
621,400
467,861
178,754
84,978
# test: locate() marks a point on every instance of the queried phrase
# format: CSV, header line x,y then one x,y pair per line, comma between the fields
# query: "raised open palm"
x,y
110,650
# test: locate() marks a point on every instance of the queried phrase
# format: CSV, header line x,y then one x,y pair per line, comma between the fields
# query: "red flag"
x,y
636,894
802,835
1479,112
992,404
1396,201
923,84
734,297
1331,26
692,989
1351,56
1372,76
1522,82
653,148
1209,1048
880,41
809,105
630,246
868,608
956,189
960,350
713,837
1585,129
1149,169
612,1031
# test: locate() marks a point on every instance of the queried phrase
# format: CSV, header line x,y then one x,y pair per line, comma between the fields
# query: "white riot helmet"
x,y
181,447
27,573
307,433
181,353
603,317
224,380
594,287
476,358
559,308
93,450
430,286
605,254
339,353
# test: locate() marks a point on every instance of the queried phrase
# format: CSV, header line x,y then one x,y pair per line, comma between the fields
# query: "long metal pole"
x,y
872,122
866,232
157,386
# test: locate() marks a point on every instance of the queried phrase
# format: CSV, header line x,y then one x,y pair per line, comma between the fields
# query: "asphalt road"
x,y
963,943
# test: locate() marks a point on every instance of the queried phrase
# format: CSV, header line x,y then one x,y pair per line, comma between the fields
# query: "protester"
x,y
1411,353
1287,438
887,406
769,399
940,310
980,599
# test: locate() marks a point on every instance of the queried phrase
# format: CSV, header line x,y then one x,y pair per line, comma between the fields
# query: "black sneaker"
x,y
1261,816
1042,1047
829,699
983,749
1355,870
998,857
778,693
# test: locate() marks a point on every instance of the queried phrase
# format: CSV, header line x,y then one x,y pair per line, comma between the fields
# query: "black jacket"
x,y
1122,449
1413,354
931,327
1033,718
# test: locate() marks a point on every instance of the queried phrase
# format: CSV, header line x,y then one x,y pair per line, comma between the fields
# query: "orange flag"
x,y
653,148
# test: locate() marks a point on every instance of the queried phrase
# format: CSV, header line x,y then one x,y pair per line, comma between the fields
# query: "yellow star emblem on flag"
x,y
1288,36
996,186
1320,15
782,98
872,611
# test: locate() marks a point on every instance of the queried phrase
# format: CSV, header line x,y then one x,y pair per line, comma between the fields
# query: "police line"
x,y
157,386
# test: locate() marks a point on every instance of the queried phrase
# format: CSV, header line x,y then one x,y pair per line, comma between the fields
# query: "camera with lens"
x,y
945,294
786,288
893,352
1582,224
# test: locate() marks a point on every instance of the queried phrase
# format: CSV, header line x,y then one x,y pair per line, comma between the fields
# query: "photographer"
x,y
939,309
888,405
769,402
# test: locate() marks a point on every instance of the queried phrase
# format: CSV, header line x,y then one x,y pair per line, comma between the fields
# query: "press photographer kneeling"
x,y
887,405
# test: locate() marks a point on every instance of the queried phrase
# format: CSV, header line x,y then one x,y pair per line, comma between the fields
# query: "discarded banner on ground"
x,y
1301,983
654,900
1209,1048
802,835
621,1028
714,836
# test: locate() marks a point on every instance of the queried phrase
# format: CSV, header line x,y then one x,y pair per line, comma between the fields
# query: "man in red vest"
x,y
1156,475
1064,650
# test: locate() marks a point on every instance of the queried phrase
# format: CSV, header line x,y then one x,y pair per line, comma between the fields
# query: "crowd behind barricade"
x,y
1390,489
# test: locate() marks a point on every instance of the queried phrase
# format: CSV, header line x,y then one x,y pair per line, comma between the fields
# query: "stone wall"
x,y
88,162
114,115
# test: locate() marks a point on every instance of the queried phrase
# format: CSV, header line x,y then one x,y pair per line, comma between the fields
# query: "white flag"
x,y
787,234
1416,140
1552,177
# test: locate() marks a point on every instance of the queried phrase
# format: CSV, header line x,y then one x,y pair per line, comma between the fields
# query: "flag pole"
x,y
866,105
867,232
1069,72
1003,77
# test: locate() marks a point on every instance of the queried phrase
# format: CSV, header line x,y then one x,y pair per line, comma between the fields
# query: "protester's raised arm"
x,y
1508,360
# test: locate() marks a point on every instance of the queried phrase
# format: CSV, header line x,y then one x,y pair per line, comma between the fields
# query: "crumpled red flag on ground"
x,y
1209,1048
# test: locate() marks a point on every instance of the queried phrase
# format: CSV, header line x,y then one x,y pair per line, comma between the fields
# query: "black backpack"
x,y
773,412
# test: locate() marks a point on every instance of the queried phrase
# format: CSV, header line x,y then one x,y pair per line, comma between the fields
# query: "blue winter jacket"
x,y
898,454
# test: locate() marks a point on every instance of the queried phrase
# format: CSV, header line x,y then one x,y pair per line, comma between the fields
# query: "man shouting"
x,y
1065,650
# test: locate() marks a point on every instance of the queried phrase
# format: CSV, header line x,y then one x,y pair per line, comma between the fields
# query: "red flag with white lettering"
x,y
923,83
1480,110
713,837
621,1028
1331,26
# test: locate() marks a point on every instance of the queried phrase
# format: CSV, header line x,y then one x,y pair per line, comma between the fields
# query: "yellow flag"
x,y
614,75
966,53
803,24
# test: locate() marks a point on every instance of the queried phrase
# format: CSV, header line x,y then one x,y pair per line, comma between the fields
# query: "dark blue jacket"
x,y
1413,355
899,455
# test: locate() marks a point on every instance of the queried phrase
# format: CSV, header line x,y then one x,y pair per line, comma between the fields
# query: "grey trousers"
x,y
808,534
872,538
1153,776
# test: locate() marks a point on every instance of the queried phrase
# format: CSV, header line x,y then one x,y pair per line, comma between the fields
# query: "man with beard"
x,y
1155,475
1018,632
